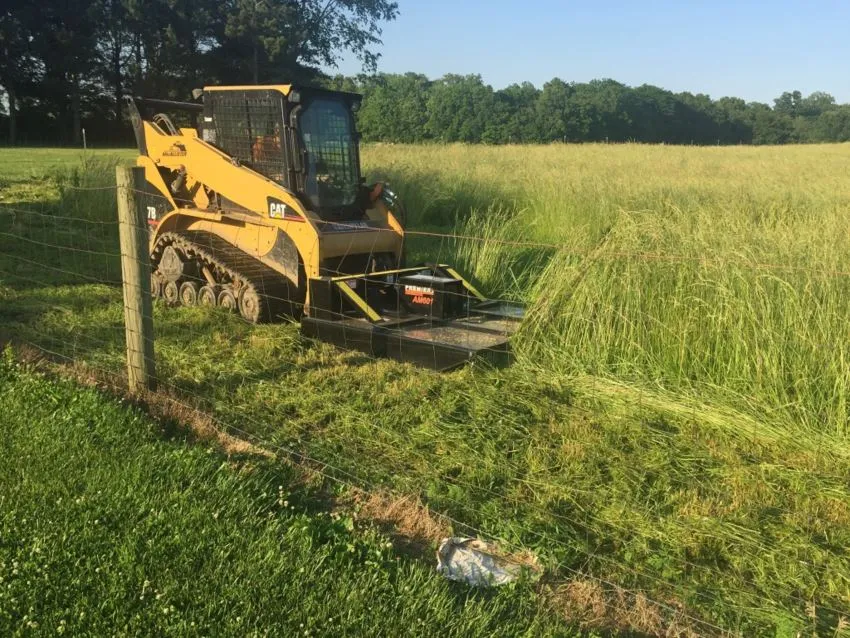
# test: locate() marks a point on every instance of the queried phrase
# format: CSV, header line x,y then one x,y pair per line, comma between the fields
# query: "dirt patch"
x,y
595,606
414,527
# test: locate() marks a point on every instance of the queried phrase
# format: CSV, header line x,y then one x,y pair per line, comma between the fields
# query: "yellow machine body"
x,y
247,223
259,207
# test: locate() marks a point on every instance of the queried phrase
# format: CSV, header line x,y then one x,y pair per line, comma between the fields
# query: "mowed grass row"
x,y
695,506
111,526
691,491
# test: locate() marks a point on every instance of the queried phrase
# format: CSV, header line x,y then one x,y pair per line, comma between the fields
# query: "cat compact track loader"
x,y
258,206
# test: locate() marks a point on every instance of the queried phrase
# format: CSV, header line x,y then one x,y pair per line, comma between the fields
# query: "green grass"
x,y
673,426
110,525
33,164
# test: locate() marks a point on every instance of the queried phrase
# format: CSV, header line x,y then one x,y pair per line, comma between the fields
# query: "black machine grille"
x,y
249,125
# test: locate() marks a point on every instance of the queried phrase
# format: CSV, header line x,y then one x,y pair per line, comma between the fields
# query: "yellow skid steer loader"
x,y
257,205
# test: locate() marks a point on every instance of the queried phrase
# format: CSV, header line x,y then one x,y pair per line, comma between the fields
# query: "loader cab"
x,y
302,138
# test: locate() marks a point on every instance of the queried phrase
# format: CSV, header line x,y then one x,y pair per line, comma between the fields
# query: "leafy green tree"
x,y
66,45
770,126
341,82
169,44
815,104
788,103
519,102
653,112
264,29
832,125
113,48
281,40
66,64
553,110
458,108
596,111
395,108
697,120
731,114
18,68
327,27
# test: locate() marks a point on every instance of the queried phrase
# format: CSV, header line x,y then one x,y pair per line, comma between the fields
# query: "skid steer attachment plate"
x,y
428,315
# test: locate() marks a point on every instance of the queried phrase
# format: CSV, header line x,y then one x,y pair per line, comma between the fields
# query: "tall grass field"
x,y
674,429
722,269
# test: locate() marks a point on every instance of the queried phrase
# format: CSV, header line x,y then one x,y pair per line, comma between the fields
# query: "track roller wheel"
x,y
207,296
227,300
171,293
189,293
251,305
156,286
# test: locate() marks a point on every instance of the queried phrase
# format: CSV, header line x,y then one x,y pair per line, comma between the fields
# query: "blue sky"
x,y
749,49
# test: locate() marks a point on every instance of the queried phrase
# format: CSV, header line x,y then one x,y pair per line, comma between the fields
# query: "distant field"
x,y
29,163
676,423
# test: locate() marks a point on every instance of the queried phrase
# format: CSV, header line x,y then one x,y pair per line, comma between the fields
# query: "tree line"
x,y
462,108
65,65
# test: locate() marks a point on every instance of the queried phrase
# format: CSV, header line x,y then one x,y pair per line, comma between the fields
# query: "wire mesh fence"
x,y
667,510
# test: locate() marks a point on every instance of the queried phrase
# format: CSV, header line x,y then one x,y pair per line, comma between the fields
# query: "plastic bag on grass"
x,y
476,563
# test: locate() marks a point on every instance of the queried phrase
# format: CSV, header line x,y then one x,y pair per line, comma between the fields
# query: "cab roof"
x,y
286,89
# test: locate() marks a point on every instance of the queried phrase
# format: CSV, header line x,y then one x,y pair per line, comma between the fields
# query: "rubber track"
x,y
226,261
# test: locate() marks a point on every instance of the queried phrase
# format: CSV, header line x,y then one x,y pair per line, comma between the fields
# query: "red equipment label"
x,y
420,294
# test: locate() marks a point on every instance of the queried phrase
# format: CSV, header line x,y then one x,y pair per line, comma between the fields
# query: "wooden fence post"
x,y
136,271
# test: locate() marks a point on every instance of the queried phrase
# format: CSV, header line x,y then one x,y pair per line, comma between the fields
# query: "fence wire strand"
x,y
334,473
83,345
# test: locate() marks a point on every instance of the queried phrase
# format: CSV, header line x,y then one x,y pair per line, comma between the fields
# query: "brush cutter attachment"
x,y
427,315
